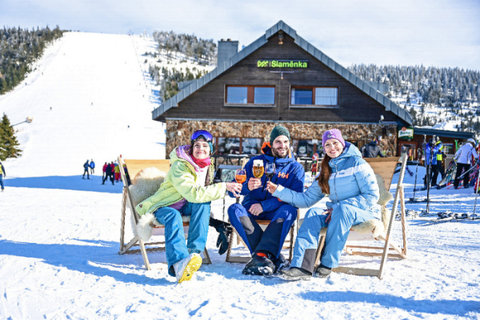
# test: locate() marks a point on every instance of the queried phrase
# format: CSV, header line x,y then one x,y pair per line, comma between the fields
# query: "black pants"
x,y
436,169
106,177
462,167
88,174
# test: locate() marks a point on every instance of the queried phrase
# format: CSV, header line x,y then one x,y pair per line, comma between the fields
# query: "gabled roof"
x,y
302,43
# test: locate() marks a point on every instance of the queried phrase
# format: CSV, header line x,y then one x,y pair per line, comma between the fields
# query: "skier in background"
x,y
104,170
86,166
92,167
463,157
437,162
2,173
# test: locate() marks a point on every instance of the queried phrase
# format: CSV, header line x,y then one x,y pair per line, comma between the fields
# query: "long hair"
x,y
325,173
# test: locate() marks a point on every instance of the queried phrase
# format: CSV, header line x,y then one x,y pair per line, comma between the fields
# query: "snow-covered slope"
x,y
89,99
59,234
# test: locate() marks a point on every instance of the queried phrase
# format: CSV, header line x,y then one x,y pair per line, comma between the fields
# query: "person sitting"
x,y
352,188
265,246
372,150
186,190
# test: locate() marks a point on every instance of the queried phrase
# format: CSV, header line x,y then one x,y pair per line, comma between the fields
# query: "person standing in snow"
x,y
109,173
86,166
437,162
186,190
116,170
2,174
352,188
258,204
104,171
463,157
92,167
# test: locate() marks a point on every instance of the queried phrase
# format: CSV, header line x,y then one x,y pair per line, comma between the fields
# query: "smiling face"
x,y
333,148
201,149
280,146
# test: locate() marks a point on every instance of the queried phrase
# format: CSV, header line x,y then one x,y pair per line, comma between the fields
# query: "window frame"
x,y
313,90
250,96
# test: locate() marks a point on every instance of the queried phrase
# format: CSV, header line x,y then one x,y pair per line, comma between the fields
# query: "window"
x,y
237,95
326,96
304,148
250,95
264,95
314,96
251,145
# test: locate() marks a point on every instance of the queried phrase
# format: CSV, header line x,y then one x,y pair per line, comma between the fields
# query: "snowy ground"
x,y
59,234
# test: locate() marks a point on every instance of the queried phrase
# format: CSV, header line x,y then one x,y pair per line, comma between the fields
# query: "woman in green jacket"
x,y
186,190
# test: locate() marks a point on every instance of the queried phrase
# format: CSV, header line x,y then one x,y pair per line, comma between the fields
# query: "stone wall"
x,y
179,131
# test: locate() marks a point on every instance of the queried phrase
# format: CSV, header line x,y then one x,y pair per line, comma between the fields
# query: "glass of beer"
x,y
258,168
240,175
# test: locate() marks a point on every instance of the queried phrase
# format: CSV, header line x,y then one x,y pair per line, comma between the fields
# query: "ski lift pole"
x,y
428,161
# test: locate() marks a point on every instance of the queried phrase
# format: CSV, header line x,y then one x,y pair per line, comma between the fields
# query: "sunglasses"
x,y
202,133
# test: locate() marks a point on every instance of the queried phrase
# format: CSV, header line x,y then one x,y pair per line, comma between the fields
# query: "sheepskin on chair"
x,y
376,227
146,183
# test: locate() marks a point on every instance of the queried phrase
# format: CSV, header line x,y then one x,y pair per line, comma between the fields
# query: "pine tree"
x,y
8,142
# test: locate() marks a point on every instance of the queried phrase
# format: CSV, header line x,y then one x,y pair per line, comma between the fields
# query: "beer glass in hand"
x,y
258,168
241,175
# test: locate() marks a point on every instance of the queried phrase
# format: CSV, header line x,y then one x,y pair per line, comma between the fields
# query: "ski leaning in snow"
x,y
449,175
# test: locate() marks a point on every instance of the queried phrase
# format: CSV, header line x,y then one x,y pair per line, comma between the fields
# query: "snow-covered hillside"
x,y
59,234
90,99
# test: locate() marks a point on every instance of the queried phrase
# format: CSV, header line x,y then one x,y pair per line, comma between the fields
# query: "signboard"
x,y
405,133
282,64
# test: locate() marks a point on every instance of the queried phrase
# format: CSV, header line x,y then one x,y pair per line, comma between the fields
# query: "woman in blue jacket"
x,y
351,186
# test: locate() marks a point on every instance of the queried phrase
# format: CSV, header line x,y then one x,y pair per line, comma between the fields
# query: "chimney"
x,y
226,50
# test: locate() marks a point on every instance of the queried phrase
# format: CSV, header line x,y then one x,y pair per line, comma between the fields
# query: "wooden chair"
x,y
375,230
133,168
227,173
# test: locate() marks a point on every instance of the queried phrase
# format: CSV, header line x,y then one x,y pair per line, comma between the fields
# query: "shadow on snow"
x,y
98,258
453,307
75,183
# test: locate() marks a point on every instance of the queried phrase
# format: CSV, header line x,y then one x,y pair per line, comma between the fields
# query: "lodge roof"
x,y
443,133
302,43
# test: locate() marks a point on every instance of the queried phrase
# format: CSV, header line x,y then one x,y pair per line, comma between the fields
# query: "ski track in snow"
x,y
59,234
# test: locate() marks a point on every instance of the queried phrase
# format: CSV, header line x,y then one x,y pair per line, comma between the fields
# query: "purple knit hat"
x,y
332,134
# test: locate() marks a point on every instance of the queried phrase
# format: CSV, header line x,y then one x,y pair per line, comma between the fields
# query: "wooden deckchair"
x,y
133,167
384,169
227,173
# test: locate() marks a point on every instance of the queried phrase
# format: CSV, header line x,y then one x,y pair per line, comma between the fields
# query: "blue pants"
x,y
1,181
272,238
343,218
175,247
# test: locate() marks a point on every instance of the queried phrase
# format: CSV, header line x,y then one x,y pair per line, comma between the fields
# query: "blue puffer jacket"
x,y
352,182
288,173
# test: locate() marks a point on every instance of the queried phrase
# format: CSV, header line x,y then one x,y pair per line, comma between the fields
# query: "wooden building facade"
x,y
280,79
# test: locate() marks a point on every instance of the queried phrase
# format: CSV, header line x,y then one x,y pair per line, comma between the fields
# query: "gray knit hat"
x,y
279,131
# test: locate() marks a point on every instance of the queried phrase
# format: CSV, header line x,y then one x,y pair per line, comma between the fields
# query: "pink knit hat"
x,y
332,134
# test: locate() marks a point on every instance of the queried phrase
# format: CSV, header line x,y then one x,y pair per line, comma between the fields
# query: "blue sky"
x,y
407,32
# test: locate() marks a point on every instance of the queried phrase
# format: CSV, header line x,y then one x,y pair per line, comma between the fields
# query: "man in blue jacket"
x,y
259,204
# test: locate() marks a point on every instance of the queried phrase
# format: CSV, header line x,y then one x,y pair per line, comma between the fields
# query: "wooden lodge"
x,y
280,79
